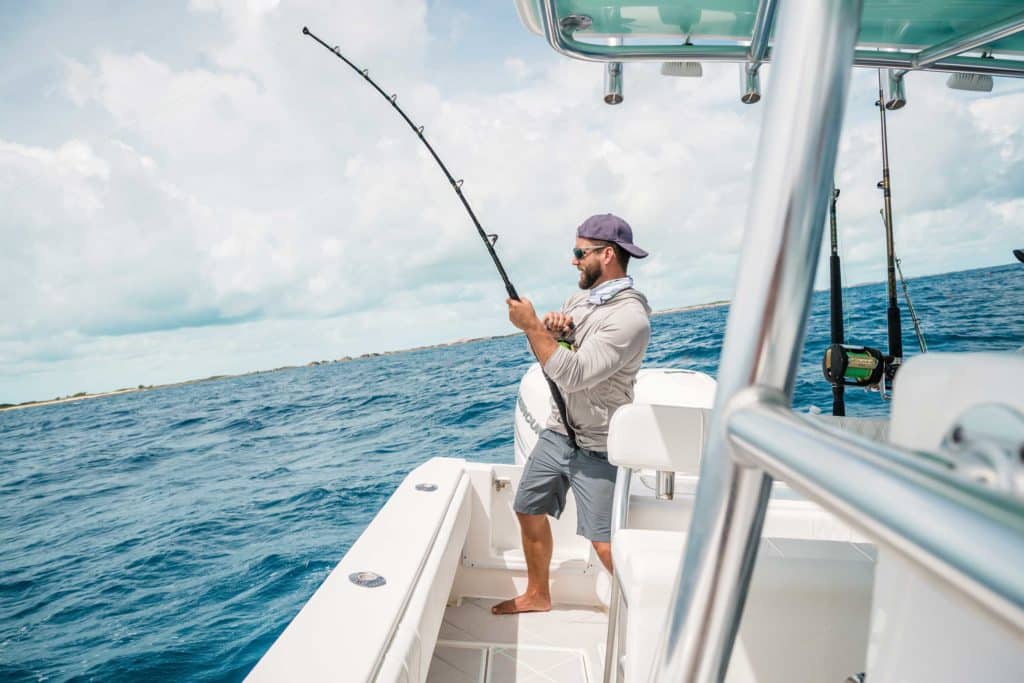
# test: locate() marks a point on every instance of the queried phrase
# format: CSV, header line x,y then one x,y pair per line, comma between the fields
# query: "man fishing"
x,y
591,351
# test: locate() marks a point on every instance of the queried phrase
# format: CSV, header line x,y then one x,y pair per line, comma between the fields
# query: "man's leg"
x,y
541,492
593,483
604,551
537,547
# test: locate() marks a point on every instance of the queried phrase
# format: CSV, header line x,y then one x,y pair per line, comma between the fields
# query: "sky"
x,y
194,188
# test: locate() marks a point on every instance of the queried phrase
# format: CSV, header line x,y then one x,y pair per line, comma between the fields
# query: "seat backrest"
x,y
658,437
933,390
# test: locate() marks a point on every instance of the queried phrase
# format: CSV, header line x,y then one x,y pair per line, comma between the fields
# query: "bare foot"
x,y
522,603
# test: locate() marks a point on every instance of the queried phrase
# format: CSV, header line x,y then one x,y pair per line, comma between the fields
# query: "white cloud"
x,y
517,68
252,202
195,115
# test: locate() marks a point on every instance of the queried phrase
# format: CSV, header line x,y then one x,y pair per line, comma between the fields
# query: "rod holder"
x,y
897,91
613,76
613,83
750,84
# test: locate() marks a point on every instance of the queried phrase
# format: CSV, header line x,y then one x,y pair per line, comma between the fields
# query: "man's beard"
x,y
590,275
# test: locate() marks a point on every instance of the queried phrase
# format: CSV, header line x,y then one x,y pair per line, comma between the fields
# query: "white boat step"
x,y
515,560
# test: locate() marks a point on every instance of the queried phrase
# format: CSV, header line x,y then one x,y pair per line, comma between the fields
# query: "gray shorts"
x,y
554,466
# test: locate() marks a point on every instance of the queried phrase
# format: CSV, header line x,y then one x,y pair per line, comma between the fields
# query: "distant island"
x,y
82,395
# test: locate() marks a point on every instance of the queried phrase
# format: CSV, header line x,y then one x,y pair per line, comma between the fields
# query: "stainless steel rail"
x,y
764,335
750,79
566,44
763,22
960,44
971,41
620,518
968,535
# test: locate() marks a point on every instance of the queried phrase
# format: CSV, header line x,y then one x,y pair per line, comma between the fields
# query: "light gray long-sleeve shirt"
x,y
598,376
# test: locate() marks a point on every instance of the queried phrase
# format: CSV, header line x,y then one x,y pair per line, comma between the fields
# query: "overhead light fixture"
x,y
897,91
971,82
750,84
682,69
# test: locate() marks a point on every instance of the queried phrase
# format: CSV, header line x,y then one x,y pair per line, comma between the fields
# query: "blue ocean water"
x,y
174,533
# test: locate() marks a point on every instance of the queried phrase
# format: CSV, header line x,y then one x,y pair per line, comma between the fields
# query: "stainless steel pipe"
x,y
620,518
765,331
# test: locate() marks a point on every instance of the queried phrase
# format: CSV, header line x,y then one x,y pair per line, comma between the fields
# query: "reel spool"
x,y
857,366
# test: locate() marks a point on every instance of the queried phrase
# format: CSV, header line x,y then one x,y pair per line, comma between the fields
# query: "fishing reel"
x,y
856,366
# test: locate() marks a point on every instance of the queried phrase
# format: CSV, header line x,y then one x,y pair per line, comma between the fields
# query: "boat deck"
x,y
565,645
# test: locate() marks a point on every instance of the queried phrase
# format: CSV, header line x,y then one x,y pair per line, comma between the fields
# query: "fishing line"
x,y
844,257
488,239
913,314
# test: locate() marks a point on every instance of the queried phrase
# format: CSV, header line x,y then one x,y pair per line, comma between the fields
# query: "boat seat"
x,y
806,617
813,575
658,437
933,390
915,609
645,563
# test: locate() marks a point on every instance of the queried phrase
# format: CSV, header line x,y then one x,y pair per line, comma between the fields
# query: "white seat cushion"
x,y
657,437
934,389
645,564
806,616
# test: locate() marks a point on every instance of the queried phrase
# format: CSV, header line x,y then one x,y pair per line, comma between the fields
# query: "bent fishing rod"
x,y
489,240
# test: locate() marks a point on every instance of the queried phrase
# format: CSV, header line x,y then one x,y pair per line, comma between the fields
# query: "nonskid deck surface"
x,y
565,645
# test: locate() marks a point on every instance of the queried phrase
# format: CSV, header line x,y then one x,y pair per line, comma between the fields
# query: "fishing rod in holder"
x,y
895,356
921,343
835,291
844,364
488,239
862,365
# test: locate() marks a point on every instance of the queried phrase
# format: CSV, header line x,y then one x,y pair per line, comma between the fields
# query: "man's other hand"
x,y
521,314
558,324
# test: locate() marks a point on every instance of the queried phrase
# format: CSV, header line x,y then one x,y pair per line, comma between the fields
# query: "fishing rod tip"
x,y
305,30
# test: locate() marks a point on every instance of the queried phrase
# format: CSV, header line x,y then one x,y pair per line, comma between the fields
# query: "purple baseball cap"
x,y
610,228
